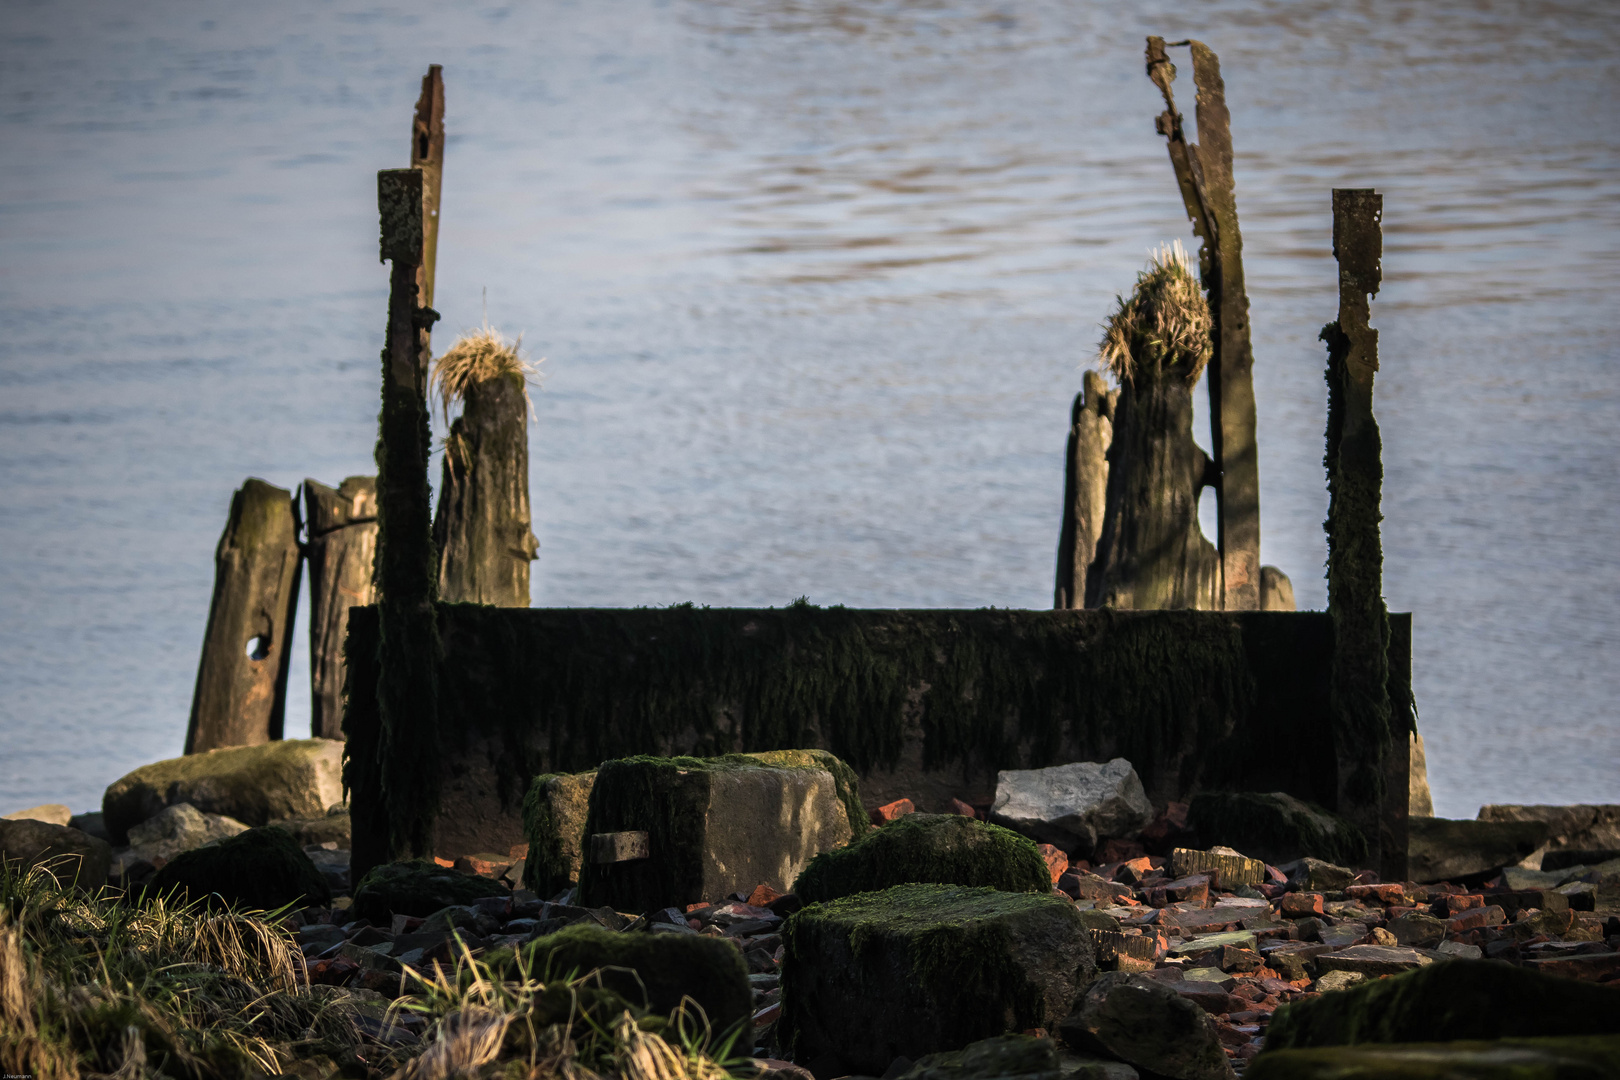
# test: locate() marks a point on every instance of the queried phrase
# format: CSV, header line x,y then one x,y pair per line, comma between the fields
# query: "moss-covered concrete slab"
x,y
714,826
262,868
1449,1000
1562,1058
657,970
920,969
1440,849
295,778
554,822
945,848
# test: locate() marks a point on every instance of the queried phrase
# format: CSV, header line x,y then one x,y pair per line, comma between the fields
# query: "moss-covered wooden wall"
x,y
919,702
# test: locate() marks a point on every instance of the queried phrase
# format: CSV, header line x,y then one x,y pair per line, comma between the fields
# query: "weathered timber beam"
x,y
341,549
241,693
427,154
1205,177
406,578
1361,707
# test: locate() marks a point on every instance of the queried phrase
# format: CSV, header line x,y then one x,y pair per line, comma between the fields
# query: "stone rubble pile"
x,y
1085,934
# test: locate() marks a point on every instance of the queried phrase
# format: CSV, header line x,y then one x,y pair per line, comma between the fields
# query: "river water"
x,y
814,283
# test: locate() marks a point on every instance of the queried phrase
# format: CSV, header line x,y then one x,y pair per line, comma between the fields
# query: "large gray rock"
x,y
1073,806
70,855
296,778
1581,827
176,829
50,813
712,826
1146,1023
1441,849
921,969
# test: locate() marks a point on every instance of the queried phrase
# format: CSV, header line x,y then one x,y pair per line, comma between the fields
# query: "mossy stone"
x,y
262,868
554,810
1448,1000
714,826
291,778
1556,1058
924,968
1276,827
659,970
418,888
945,848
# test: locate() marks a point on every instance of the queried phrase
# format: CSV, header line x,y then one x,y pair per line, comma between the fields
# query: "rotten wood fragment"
x,y
1085,489
241,693
1363,741
341,548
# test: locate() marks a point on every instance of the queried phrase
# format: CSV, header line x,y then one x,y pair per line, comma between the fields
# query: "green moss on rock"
x,y
1448,1000
1000,1058
554,810
262,868
920,969
1556,1058
418,887
1276,827
943,848
657,970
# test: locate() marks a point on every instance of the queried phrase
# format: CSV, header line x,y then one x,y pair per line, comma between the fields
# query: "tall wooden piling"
x,y
1204,175
241,692
1363,741
407,683
1085,488
341,548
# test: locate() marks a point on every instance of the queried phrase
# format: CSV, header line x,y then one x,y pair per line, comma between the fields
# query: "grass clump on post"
x,y
482,529
1151,552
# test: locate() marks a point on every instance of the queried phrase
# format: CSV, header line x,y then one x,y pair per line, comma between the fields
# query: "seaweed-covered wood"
x,y
922,704
407,642
1151,552
241,693
1362,713
341,524
1085,488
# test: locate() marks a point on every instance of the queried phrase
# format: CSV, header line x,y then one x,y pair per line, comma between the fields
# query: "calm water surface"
x,y
814,283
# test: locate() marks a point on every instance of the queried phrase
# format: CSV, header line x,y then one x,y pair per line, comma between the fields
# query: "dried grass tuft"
x,y
1164,326
475,358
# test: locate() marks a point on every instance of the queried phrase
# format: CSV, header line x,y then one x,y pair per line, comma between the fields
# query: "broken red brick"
x,y
763,896
1057,863
963,809
1383,894
892,811
1477,918
1298,905
1120,851
1447,906
1134,871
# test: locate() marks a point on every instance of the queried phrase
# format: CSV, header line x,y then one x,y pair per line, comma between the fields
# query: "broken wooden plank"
x,y
427,154
241,693
341,548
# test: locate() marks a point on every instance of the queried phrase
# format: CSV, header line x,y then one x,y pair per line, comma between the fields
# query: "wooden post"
x,y
342,550
1085,489
408,650
482,529
427,154
1204,175
241,693
1360,684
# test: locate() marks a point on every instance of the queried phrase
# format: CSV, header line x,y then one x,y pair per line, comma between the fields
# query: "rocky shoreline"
x,y
1069,929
